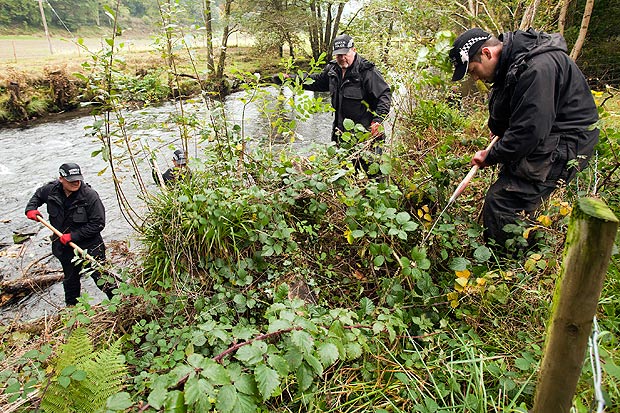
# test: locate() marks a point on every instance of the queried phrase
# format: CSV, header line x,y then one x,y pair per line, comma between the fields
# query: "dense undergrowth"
x,y
276,282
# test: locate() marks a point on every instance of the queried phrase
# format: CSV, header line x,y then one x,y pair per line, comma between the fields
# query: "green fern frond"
x,y
105,374
77,348
98,376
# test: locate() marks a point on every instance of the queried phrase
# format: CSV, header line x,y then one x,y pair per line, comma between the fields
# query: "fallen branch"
x,y
26,285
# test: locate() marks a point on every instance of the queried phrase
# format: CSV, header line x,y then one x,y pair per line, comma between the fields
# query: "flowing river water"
x,y
31,157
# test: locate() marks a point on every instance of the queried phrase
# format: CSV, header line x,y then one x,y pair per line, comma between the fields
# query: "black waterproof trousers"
x,y
71,269
512,196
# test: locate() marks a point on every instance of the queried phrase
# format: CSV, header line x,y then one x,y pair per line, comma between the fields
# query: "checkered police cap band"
x,y
464,50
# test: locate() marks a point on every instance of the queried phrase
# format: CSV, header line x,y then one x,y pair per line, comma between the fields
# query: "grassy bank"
x,y
35,83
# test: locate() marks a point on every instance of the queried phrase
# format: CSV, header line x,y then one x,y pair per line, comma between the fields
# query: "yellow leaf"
x,y
426,209
458,288
239,146
536,256
312,158
428,217
348,236
529,265
481,281
526,233
454,303
544,220
462,281
462,274
453,295
420,213
565,210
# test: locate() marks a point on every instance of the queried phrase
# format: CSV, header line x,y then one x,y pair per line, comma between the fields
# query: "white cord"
x,y
595,362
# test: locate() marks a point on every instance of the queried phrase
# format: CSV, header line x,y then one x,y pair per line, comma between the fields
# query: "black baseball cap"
x,y
179,157
71,172
465,47
342,44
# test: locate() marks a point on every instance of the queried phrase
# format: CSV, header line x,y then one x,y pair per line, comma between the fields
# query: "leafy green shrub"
x,y
437,115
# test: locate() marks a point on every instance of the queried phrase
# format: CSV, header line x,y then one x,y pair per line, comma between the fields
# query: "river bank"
x,y
35,83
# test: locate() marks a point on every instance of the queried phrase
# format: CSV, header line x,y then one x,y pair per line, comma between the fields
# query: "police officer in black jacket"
x,y
542,109
76,210
358,91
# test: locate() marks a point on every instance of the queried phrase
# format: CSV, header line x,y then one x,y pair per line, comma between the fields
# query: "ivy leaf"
x,y
279,363
358,233
385,168
196,389
482,254
64,381
339,174
157,397
303,341
175,402
410,226
402,217
304,377
119,402
367,306
458,264
378,260
194,360
214,372
328,353
267,379
348,124
78,375
253,353
245,404
279,324
314,363
293,357
245,384
226,399
522,364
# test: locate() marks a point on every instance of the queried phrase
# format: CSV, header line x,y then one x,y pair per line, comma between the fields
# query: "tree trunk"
x,y
583,31
225,34
528,16
313,31
562,17
327,32
26,285
206,14
337,22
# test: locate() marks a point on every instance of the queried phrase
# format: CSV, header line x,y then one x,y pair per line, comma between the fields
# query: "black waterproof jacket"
x,y
362,95
82,214
540,105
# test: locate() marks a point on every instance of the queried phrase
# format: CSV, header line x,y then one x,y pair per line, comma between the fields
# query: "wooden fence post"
x,y
591,233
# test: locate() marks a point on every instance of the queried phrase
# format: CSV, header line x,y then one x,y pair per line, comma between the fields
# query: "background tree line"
x,y
307,27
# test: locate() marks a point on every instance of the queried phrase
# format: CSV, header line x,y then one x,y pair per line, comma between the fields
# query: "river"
x,y
32,155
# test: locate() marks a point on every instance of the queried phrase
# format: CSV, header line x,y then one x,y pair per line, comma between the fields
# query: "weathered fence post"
x,y
590,237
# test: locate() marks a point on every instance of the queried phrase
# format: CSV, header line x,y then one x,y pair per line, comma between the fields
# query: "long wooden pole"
x,y
47,33
589,241
78,249
459,190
